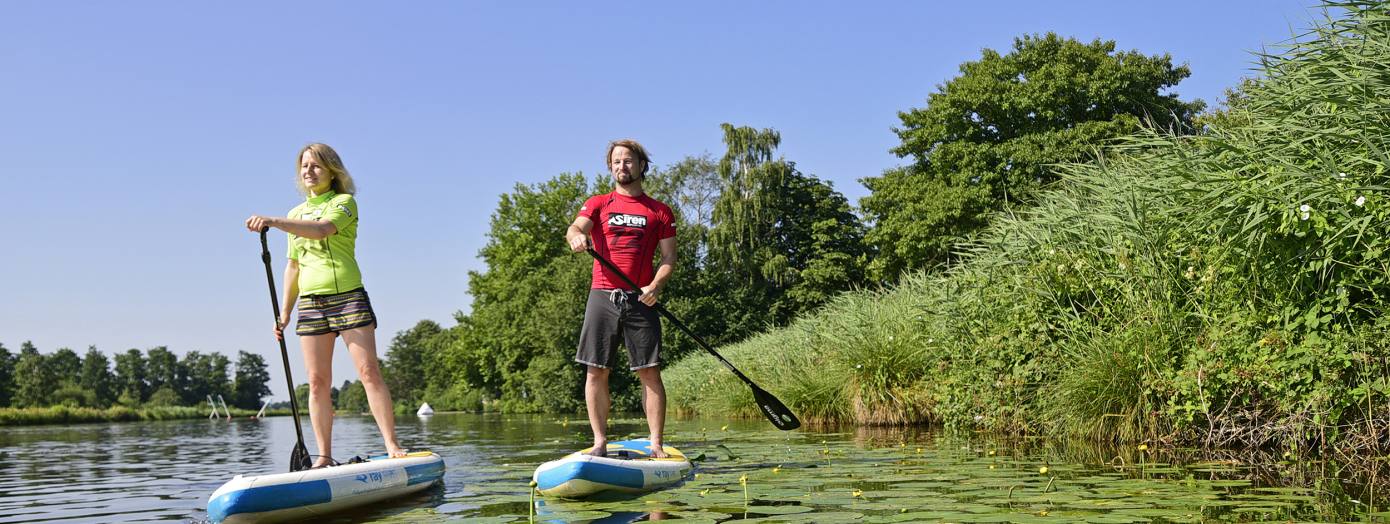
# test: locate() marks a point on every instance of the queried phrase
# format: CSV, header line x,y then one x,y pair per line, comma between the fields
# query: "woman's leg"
x,y
318,361
361,343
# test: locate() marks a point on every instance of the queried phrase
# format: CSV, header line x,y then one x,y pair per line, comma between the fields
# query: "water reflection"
x,y
155,471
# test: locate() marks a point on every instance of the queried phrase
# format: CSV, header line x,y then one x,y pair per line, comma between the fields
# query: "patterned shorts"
x,y
322,314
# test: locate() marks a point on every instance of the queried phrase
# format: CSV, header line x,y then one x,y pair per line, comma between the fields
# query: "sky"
x,y
137,137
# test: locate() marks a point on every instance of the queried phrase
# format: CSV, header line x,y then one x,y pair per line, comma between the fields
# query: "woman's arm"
x,y
310,229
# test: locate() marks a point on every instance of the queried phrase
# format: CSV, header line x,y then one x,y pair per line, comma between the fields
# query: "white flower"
x,y
1304,211
1341,175
1360,201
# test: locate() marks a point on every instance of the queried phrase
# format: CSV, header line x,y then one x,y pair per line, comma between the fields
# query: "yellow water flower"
x,y
1043,470
724,427
856,493
704,492
743,480
777,469
1143,447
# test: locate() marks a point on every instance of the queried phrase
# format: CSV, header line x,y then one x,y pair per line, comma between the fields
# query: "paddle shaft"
x,y
665,313
284,353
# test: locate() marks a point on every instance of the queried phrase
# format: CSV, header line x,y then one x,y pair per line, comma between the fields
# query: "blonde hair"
x,y
331,162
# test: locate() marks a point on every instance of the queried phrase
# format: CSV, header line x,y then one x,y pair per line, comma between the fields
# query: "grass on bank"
x,y
74,415
1227,288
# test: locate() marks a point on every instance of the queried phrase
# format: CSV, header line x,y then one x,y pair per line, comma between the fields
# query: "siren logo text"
x,y
625,220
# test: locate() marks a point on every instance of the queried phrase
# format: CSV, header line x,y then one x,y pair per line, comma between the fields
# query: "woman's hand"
x,y
280,328
258,223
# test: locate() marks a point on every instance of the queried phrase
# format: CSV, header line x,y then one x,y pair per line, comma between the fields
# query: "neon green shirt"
x,y
327,266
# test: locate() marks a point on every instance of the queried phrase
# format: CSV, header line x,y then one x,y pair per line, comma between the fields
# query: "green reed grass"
x,y
1227,287
74,415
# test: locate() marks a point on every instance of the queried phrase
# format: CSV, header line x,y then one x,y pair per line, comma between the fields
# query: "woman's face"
x,y
313,175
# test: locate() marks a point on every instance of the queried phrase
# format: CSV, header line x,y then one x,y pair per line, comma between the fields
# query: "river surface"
x,y
164,471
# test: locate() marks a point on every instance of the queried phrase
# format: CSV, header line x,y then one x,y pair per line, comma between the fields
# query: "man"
x,y
627,227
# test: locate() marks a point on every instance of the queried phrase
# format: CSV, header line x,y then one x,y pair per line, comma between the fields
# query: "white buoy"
x,y
425,410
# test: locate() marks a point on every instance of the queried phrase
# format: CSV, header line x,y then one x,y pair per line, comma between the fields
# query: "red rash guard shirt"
x,y
626,231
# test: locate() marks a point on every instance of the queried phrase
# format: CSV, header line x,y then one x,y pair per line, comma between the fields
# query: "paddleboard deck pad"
x,y
628,468
314,492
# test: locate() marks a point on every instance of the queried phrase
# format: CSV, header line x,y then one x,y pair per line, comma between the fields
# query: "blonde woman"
x,y
322,277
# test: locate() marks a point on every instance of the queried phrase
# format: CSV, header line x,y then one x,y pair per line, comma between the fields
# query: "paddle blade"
x,y
774,410
299,458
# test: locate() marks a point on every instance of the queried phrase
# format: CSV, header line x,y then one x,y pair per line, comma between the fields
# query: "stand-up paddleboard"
x,y
628,468
311,493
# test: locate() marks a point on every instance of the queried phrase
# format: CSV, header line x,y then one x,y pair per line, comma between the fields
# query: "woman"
x,y
322,275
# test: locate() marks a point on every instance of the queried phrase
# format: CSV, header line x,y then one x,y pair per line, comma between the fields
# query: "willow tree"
x,y
986,140
784,241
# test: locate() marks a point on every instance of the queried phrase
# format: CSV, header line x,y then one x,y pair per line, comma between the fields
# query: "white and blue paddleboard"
x,y
314,492
628,468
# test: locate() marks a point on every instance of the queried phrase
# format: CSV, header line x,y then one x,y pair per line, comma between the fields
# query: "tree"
x,y
353,398
7,363
65,365
34,380
789,238
411,354
252,382
130,377
529,302
987,139
97,379
161,369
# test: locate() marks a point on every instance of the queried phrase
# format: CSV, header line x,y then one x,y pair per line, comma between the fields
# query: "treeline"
x,y
155,378
762,243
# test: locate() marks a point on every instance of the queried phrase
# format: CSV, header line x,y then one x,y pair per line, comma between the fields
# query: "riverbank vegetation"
x,y
1221,288
63,414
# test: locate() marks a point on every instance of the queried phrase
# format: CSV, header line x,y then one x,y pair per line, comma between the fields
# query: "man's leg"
x,y
597,401
654,402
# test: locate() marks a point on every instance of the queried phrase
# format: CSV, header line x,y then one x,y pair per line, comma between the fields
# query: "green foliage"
x,y
7,363
251,383
164,397
97,378
1225,288
62,414
131,376
352,398
161,369
199,375
409,360
33,378
785,242
987,139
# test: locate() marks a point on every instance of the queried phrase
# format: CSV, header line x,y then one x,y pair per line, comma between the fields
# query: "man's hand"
x,y
649,295
578,243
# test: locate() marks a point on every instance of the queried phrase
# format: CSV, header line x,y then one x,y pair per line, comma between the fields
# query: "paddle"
x,y
299,457
773,409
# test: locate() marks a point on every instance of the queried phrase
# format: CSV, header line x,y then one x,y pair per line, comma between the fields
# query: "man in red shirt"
x,y
627,227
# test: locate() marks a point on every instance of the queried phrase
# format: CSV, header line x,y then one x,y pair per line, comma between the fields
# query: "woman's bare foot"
x,y
395,451
658,451
599,450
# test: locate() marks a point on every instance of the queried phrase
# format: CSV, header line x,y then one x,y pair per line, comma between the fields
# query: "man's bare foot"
x,y
395,451
659,451
322,462
599,450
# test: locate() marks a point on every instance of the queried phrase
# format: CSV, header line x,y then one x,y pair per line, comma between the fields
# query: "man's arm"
x,y
652,291
578,234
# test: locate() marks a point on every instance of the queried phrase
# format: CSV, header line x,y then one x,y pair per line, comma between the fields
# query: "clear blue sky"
x,y
138,136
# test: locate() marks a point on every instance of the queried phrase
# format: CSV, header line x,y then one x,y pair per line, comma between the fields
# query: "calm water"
x,y
164,471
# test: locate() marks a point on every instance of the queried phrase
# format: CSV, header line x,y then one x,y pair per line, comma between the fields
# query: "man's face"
x,y
625,166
